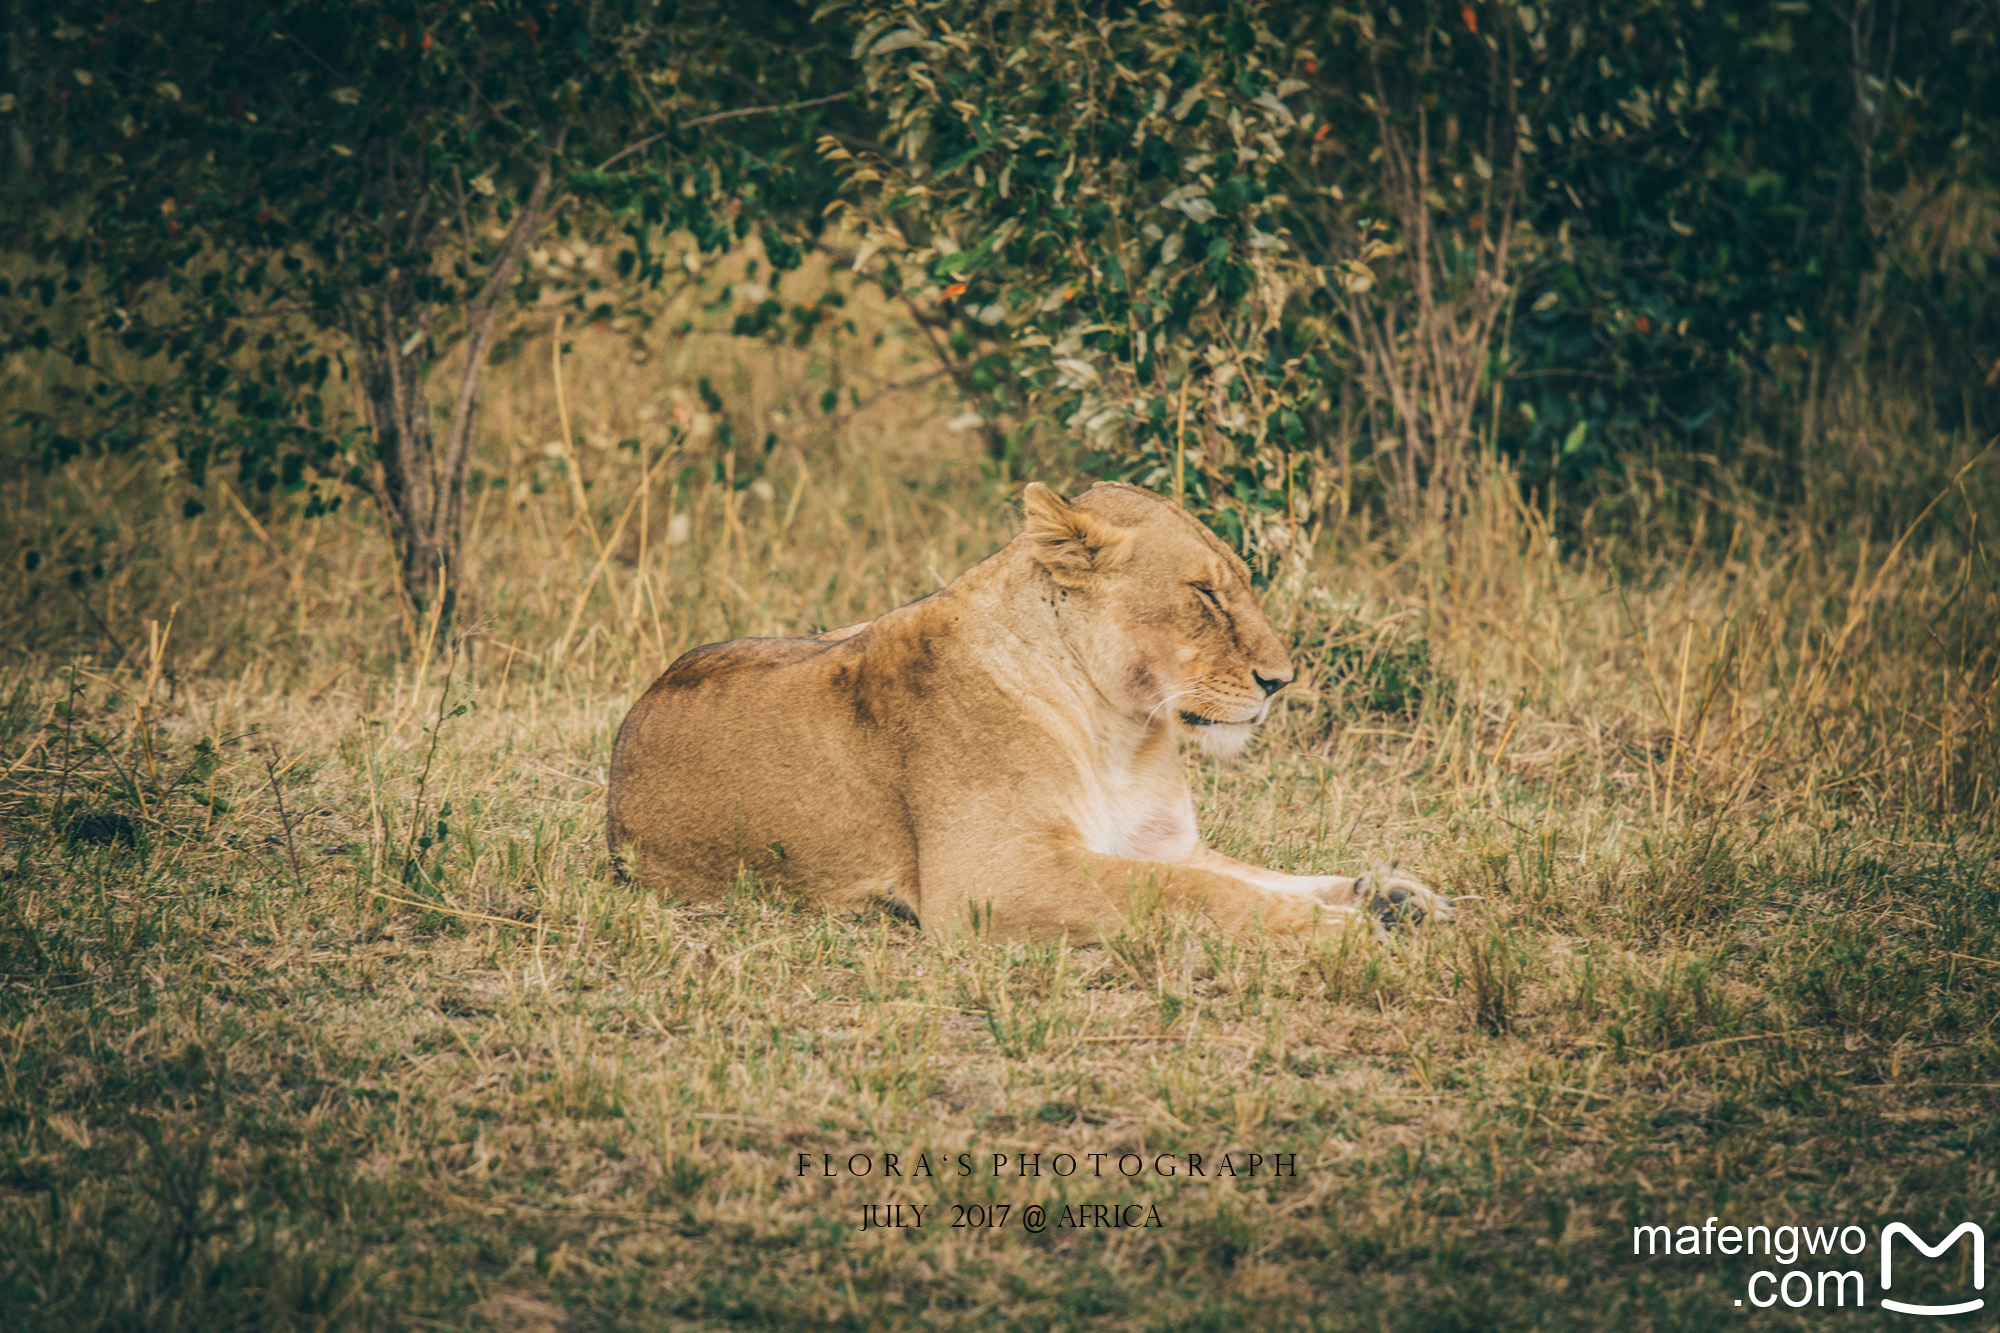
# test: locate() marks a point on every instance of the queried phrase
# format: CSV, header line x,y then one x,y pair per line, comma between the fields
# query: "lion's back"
x,y
745,754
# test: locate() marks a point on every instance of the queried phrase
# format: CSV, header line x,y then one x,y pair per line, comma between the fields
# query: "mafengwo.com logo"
x,y
1826,1268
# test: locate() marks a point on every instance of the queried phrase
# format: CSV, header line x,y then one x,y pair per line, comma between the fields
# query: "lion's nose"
x,y
1273,682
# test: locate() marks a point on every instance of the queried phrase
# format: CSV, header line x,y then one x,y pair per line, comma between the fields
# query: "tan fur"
x,y
1004,751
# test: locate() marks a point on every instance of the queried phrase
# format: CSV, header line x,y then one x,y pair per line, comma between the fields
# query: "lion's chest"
x,y
1140,821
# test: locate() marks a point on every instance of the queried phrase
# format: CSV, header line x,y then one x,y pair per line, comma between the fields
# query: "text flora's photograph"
x,y
913,664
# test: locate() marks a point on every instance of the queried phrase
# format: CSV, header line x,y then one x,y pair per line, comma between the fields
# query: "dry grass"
x,y
359,1032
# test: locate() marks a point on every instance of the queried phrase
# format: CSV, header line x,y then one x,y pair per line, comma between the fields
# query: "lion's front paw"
x,y
1395,898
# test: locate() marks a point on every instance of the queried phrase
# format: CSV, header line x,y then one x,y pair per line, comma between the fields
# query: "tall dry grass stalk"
x,y
611,527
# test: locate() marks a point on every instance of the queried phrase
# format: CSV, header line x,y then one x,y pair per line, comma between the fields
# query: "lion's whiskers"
x,y
1172,698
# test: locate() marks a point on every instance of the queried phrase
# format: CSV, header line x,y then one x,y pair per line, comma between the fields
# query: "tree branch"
x,y
483,316
712,119
960,375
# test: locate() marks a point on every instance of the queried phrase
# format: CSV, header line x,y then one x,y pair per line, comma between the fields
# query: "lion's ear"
x,y
1070,544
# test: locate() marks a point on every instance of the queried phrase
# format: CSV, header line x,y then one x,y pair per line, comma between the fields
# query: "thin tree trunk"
x,y
420,481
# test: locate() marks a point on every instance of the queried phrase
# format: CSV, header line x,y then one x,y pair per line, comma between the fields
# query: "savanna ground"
x,y
319,1006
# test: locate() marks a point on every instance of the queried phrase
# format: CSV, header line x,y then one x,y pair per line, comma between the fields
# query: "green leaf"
x,y
897,41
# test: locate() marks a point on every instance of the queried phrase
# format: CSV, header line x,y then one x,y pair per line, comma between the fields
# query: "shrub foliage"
x,y
1277,259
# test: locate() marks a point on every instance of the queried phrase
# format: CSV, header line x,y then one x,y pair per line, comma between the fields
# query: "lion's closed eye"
x,y
1208,594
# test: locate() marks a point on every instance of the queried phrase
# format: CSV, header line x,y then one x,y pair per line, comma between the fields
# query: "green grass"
x,y
1730,818
235,1096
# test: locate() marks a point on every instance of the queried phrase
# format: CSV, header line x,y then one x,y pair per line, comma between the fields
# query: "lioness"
x,y
1003,752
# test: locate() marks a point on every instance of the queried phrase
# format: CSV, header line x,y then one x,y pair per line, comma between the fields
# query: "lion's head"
x,y
1158,610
